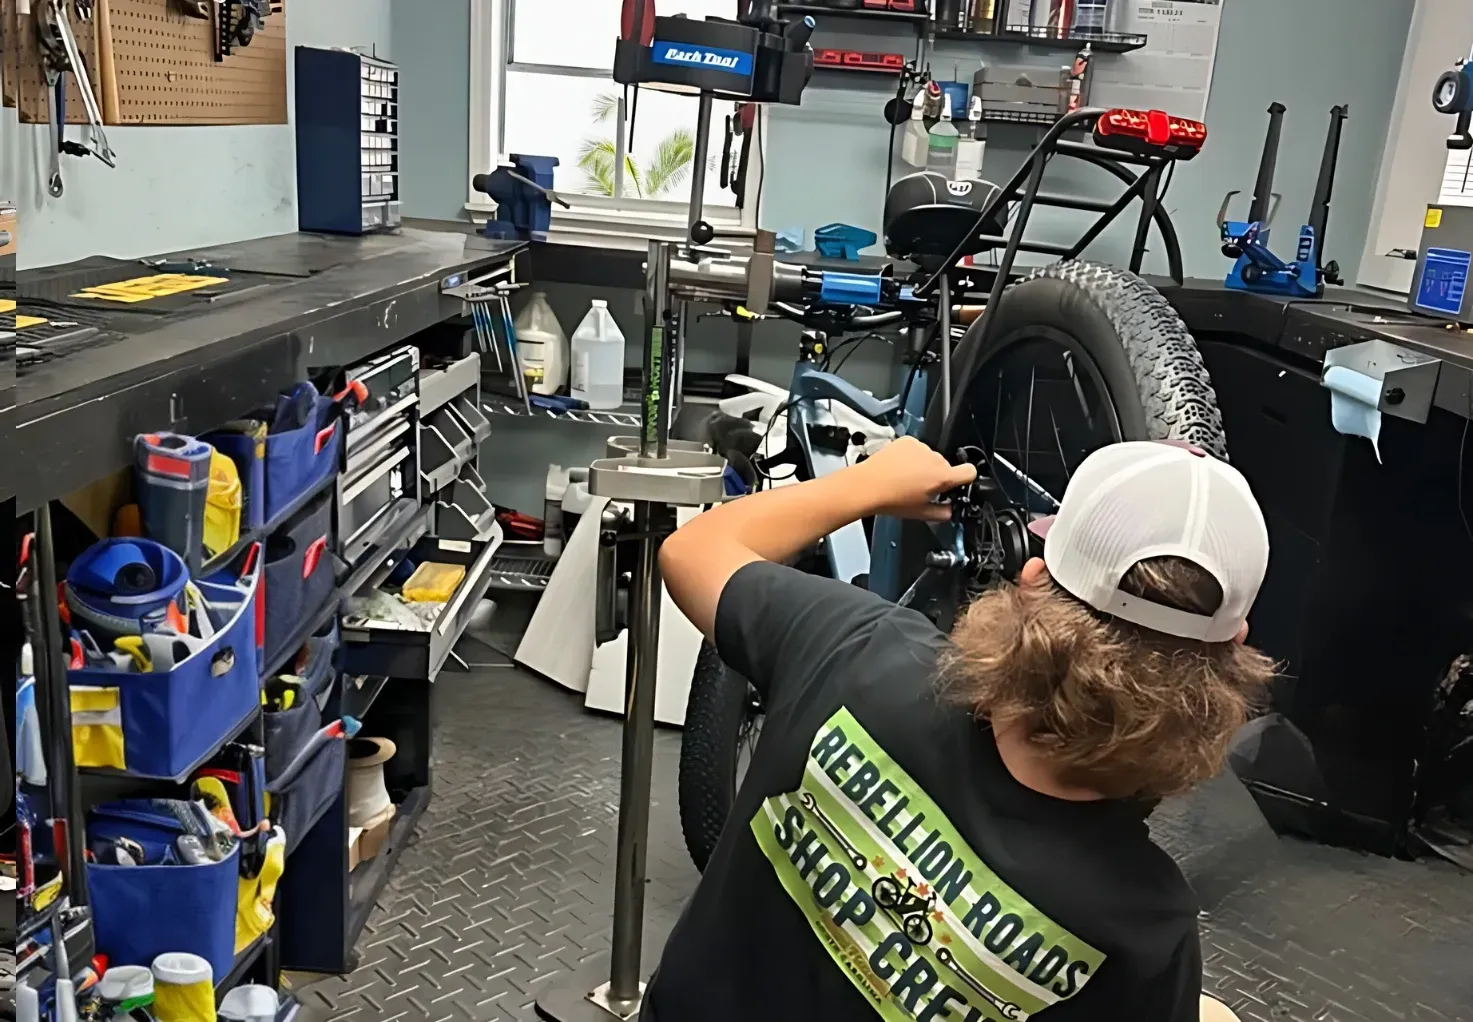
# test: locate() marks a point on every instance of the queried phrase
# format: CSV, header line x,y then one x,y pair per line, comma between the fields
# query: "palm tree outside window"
x,y
559,99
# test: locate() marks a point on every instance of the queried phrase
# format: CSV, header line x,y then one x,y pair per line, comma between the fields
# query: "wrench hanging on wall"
x,y
61,55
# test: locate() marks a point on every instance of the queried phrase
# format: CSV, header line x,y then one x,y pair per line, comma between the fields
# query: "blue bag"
x,y
298,459
141,912
172,720
248,451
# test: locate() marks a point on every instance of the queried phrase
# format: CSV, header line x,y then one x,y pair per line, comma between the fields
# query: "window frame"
x,y
594,219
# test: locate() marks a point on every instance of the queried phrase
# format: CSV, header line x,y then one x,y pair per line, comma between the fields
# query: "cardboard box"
x,y
366,842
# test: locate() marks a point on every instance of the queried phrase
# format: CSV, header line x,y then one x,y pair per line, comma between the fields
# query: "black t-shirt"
x,y
882,861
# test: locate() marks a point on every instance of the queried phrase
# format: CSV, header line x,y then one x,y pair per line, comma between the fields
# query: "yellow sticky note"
x,y
1434,217
25,321
6,305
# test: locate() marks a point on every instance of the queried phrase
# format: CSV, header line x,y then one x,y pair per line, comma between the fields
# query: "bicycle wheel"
x,y
723,720
1079,355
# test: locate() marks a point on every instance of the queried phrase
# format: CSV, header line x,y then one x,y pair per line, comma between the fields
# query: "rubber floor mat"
x,y
509,886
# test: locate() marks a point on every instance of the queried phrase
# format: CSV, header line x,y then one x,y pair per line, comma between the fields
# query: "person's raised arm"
x,y
903,480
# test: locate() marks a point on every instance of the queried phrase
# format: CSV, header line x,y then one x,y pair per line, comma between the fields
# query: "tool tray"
x,y
381,648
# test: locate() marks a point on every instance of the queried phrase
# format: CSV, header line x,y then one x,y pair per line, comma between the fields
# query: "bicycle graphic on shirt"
x,y
911,904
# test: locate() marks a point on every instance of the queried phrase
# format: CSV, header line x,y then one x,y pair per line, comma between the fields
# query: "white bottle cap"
x,y
182,970
599,303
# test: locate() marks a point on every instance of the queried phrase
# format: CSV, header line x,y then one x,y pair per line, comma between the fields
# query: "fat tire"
x,y
714,713
1150,363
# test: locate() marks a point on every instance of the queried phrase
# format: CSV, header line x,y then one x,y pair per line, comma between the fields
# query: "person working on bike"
x,y
938,828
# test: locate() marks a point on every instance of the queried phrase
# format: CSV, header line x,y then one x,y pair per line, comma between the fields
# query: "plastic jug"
x,y
598,359
543,346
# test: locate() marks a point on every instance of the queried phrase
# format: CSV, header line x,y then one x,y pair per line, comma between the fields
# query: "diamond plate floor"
x,y
509,883
509,886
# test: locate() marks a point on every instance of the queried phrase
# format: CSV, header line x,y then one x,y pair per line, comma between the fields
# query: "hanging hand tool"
x,y
61,55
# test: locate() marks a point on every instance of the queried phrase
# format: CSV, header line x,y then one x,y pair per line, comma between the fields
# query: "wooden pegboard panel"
x,y
167,73
166,70
25,80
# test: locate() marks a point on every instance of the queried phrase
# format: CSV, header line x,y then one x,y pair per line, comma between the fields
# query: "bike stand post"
x,y
656,480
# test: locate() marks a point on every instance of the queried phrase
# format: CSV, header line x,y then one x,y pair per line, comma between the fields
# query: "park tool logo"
x,y
705,58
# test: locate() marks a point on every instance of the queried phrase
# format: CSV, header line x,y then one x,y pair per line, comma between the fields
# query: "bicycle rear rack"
x,y
1025,189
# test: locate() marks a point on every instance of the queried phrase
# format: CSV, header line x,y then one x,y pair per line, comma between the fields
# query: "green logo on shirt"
x,y
917,921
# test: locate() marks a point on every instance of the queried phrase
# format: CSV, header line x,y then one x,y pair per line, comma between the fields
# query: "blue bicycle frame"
x,y
848,550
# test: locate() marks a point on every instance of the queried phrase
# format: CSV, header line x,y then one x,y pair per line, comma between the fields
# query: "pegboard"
x,y
25,80
167,73
166,70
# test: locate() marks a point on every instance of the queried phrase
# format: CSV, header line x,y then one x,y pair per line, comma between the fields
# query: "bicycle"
x,y
909,904
1078,353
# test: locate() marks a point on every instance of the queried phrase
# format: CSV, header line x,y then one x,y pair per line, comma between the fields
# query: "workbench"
x,y
297,300
99,371
1372,568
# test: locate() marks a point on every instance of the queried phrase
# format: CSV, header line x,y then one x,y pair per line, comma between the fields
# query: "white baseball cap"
x,y
1133,501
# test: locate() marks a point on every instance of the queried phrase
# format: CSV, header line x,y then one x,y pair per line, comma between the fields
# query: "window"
x,y
541,84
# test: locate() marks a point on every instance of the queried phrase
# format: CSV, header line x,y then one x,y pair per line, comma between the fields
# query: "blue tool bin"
x,y
299,459
299,573
169,721
141,912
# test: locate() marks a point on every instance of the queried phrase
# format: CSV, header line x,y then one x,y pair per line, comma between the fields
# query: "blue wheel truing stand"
x,y
1256,267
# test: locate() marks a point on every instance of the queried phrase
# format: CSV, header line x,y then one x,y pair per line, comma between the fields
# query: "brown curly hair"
x,y
1120,709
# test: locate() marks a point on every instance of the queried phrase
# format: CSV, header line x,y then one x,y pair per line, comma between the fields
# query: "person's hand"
x,y
905,477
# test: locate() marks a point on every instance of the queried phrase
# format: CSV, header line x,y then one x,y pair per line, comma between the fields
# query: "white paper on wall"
x,y
1174,70
1457,179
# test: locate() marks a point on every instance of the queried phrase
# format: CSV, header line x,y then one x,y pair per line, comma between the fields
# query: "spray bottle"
x,y
942,142
913,144
972,145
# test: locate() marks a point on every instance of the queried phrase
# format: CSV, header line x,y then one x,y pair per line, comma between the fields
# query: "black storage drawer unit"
x,y
388,651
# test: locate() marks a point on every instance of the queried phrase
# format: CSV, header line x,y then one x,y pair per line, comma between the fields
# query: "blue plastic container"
x,y
842,241
124,587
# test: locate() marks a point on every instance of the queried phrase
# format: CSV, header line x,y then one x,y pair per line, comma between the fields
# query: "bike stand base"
x,y
583,999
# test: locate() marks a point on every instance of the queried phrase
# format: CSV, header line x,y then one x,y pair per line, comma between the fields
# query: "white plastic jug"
x,y
543,346
598,359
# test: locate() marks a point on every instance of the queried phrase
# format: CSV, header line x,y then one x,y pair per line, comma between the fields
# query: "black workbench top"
x,y
1307,329
299,301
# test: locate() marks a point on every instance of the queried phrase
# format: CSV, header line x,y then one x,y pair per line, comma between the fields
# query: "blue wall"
x,y
432,37
827,158
176,188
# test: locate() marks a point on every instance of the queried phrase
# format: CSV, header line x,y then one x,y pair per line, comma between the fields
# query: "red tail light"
x,y
1155,128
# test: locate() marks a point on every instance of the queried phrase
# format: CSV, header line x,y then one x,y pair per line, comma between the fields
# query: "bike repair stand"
x,y
758,60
